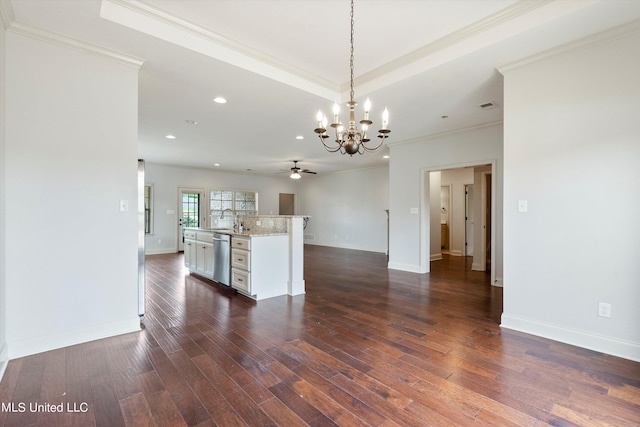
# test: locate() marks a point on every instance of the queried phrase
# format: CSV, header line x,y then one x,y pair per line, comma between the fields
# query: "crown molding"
x,y
7,15
75,44
602,37
445,133
503,24
502,16
151,20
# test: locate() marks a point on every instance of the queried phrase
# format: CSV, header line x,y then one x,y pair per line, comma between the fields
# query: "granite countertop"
x,y
245,233
251,233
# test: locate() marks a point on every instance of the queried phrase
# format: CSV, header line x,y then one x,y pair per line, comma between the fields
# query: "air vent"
x,y
488,105
309,237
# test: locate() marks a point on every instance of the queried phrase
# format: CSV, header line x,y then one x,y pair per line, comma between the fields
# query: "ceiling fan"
x,y
296,171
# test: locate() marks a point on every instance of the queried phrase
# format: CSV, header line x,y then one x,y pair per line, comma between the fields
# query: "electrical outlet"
x,y
604,309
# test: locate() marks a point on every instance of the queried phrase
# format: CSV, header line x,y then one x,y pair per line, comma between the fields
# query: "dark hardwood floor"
x,y
364,346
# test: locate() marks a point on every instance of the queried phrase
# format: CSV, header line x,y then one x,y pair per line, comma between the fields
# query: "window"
x,y
148,191
244,203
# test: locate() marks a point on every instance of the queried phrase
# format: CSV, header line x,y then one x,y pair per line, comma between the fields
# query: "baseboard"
x,y
297,287
160,251
77,336
455,252
435,257
344,246
4,359
405,267
478,267
602,344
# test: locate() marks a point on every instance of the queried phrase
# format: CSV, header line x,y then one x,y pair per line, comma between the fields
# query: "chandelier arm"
x,y
330,149
364,144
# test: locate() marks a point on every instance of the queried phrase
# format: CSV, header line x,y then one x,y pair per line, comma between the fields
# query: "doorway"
x,y
286,204
190,212
481,228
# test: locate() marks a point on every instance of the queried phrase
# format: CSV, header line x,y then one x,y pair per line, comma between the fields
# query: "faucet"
x,y
227,210
233,212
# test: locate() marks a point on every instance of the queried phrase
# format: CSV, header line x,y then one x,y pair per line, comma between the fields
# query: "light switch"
x,y
522,206
124,205
413,211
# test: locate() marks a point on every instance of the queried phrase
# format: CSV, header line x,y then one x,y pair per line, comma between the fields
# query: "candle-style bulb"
x,y
367,107
385,118
319,116
336,111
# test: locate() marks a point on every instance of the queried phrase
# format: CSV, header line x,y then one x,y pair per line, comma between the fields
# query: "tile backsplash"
x,y
272,224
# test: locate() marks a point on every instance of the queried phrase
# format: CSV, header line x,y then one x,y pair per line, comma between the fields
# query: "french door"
x,y
190,211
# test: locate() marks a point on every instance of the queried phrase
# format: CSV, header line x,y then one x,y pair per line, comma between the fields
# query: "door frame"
x,y
425,193
202,215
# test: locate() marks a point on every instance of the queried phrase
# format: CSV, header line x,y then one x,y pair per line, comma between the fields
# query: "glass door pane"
x,y
190,209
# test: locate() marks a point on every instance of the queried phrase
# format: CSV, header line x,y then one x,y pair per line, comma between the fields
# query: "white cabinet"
x,y
240,264
260,265
190,250
198,252
204,259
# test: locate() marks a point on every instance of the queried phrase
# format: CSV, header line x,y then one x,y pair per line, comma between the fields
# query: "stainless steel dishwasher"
x,y
221,258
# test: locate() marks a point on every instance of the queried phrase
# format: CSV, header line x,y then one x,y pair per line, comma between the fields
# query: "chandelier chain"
x,y
351,93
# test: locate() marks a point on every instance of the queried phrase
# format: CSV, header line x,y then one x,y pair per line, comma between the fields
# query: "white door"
x,y
469,220
191,213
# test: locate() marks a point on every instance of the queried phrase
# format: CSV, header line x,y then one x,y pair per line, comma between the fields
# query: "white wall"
x,y
71,156
347,209
572,150
410,234
3,304
166,180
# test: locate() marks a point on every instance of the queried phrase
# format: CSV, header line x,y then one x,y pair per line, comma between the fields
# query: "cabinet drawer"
x,y
203,236
240,259
241,280
189,234
241,243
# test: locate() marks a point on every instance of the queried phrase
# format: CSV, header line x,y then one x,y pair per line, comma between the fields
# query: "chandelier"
x,y
351,140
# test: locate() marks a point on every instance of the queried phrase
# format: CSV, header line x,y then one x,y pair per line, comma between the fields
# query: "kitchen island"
x,y
264,261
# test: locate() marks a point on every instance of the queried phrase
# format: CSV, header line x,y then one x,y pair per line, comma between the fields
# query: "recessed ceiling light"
x,y
191,122
219,100
299,137
170,136
216,164
386,156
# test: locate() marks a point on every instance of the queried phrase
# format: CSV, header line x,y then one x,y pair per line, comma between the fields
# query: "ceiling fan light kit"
x,y
351,140
296,171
